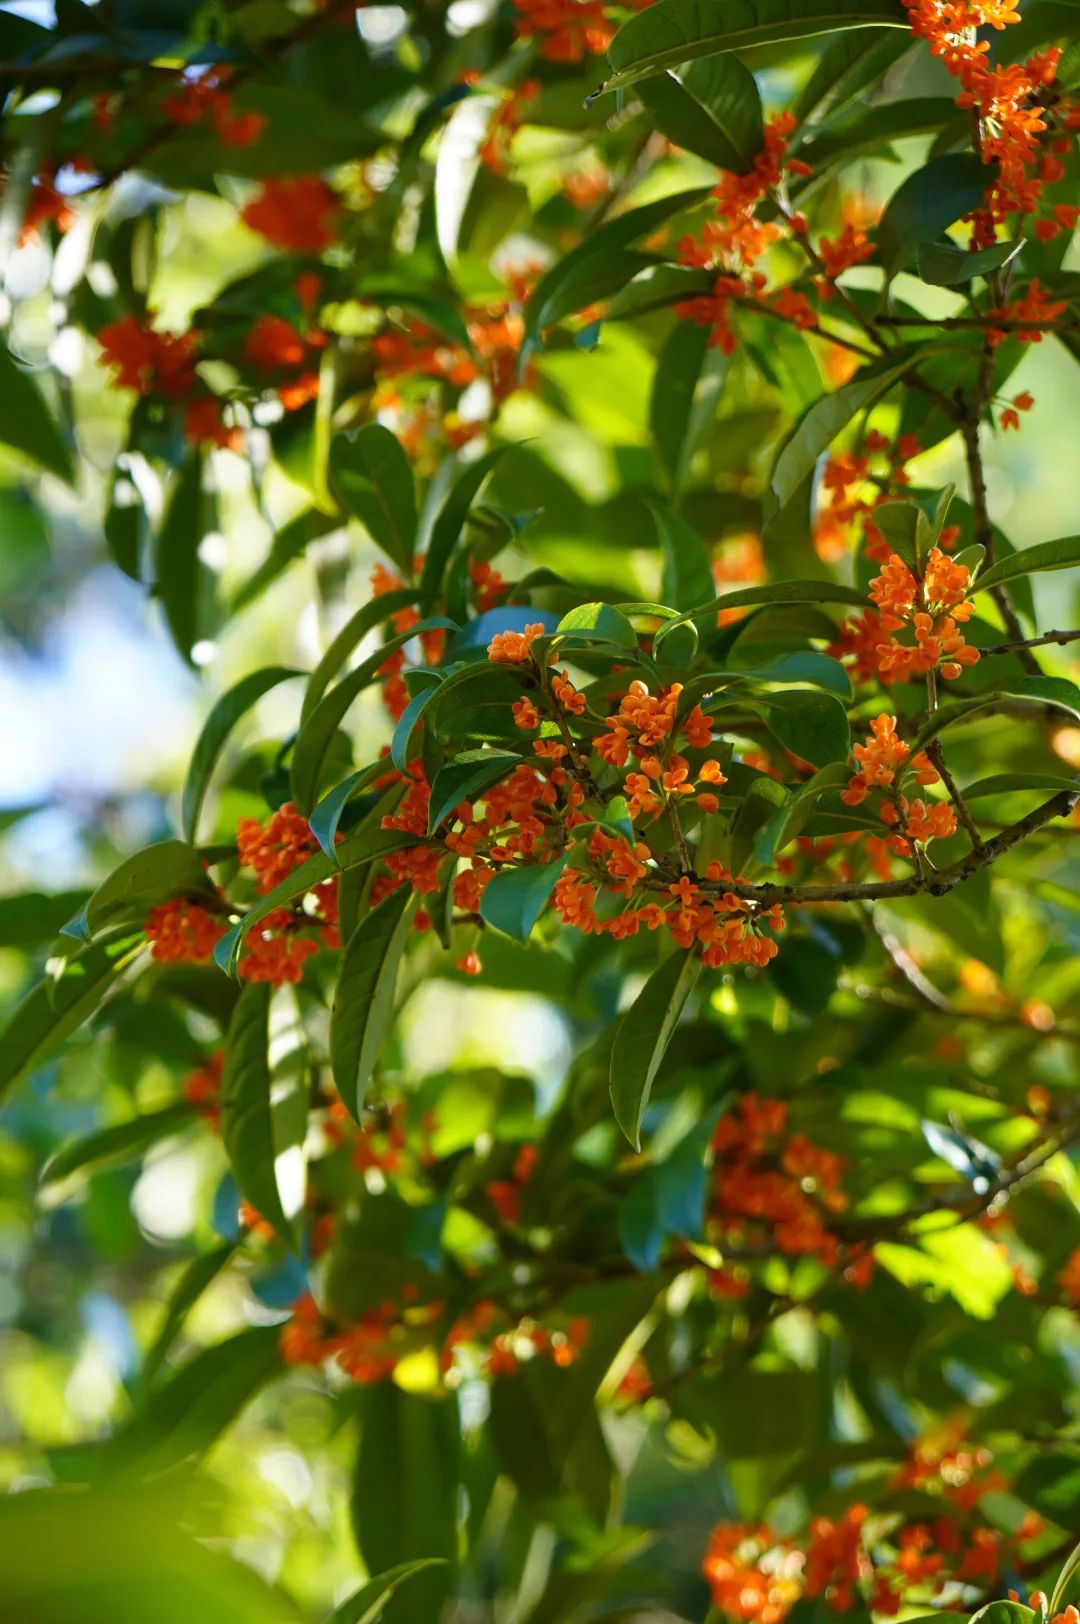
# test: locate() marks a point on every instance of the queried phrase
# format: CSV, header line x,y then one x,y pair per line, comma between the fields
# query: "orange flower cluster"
x,y
505,122
756,1577
370,1348
505,1194
1007,104
182,932
204,100
853,485
774,1185
394,692
274,345
385,1145
156,363
566,30
202,1087
735,240
1035,307
752,1576
45,203
882,764
930,608
299,213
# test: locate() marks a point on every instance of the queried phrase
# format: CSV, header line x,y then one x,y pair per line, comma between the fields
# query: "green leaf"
x,y
157,874
597,623
178,573
945,265
801,666
1045,555
364,997
820,425
452,517
365,1606
187,1415
466,777
1014,783
263,1170
366,845
685,395
687,579
407,723
710,107
926,203
780,592
326,817
355,629
405,1504
26,422
676,31
123,1141
55,1009
320,726
516,897
200,1273
289,543
35,918
374,479
216,729
556,295
642,1037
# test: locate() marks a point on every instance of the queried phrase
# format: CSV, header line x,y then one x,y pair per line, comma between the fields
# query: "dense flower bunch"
x,y
880,1559
775,1188
928,609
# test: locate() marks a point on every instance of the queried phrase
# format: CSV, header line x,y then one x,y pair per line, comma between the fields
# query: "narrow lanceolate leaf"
x,y
320,726
558,291
374,479
364,998
933,198
1014,783
165,870
643,1036
819,426
685,395
676,31
711,107
780,592
200,1273
451,518
687,579
813,726
211,741
1046,555
26,423
190,1412
514,900
326,817
371,614
55,1009
178,571
466,777
123,1141
366,845
365,1606
247,1126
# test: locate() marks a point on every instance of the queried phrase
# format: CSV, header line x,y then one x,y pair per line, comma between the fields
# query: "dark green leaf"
x,y
676,31
687,579
514,899
945,265
931,199
466,777
55,1009
216,729
179,575
156,874
1045,555
642,1038
453,515
247,1119
26,423
710,107
364,996
374,479
200,1273
820,425
124,1141
366,1605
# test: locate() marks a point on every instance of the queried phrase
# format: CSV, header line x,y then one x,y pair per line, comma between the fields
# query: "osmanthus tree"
x,y
597,378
